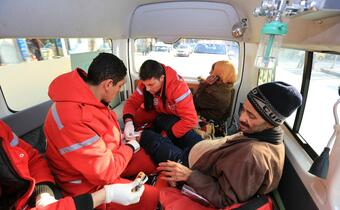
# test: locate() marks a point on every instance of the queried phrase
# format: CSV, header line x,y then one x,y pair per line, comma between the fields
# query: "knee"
x,y
165,122
149,139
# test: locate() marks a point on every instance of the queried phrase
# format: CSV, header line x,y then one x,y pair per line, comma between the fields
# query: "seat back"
x,y
28,124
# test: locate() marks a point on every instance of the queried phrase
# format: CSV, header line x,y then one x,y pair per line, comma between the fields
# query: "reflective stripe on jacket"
x,y
179,102
84,139
29,165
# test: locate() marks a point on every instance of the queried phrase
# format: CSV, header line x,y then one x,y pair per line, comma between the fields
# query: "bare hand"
x,y
173,171
211,79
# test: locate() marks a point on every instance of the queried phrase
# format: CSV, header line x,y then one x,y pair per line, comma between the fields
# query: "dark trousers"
x,y
168,148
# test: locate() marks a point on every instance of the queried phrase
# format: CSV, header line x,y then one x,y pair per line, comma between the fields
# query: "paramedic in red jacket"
x,y
85,147
163,98
26,181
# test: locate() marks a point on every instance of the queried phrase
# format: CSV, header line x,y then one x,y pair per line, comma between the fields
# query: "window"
x,y
27,66
316,125
15,51
189,57
318,120
290,70
82,45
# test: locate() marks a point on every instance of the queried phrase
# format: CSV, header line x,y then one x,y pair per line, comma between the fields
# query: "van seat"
x,y
28,124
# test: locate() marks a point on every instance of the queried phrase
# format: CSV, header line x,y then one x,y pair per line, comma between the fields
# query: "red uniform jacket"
x,y
84,143
179,102
29,165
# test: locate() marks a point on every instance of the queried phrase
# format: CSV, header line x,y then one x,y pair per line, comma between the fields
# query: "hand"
x,y
211,79
174,171
44,199
129,130
134,144
122,194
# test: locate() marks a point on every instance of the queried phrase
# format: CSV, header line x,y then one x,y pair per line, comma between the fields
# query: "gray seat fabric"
x,y
28,124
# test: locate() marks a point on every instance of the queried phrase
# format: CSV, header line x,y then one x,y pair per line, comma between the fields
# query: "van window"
x,y
189,57
318,120
27,66
83,45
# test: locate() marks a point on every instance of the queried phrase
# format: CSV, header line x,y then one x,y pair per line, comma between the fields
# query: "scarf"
x,y
272,135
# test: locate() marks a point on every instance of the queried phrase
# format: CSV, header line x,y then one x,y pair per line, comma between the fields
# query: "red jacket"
x,y
29,165
84,144
179,102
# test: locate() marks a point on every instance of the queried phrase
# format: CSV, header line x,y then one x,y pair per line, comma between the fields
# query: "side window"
x,y
27,66
315,123
318,120
189,57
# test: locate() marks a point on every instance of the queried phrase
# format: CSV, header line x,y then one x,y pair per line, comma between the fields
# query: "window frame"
x,y
8,107
306,79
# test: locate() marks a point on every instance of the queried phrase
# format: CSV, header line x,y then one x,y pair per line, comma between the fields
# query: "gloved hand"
x,y
134,144
44,199
129,131
122,194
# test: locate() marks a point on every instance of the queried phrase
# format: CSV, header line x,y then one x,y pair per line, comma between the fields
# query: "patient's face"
x,y
251,121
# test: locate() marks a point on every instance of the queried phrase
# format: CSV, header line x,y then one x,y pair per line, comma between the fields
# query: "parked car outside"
x,y
183,50
219,49
159,47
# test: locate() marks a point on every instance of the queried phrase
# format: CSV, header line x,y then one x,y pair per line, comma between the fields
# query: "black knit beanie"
x,y
275,101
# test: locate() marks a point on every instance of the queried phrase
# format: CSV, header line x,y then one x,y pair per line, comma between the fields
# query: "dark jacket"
x,y
214,102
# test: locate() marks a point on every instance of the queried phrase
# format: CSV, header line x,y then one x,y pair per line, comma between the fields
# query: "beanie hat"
x,y
225,71
275,101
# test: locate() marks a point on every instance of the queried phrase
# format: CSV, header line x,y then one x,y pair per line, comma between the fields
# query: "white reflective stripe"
x,y
77,146
139,91
182,97
15,141
75,181
56,117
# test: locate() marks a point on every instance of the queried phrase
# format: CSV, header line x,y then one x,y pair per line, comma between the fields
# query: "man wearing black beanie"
x,y
236,168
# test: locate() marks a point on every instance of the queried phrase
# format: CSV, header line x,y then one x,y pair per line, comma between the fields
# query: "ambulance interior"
x,y
74,32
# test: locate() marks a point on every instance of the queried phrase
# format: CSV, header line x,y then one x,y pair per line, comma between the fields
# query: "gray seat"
x,y
28,124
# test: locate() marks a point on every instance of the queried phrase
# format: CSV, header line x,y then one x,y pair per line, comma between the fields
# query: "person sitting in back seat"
x,y
26,181
214,96
235,168
84,143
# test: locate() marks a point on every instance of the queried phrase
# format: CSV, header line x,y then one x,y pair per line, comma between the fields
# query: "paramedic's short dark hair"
x,y
106,66
150,69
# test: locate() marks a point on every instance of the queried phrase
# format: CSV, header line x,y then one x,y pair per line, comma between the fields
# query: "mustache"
x,y
244,124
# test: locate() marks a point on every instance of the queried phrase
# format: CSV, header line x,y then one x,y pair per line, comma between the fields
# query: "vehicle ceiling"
x,y
108,18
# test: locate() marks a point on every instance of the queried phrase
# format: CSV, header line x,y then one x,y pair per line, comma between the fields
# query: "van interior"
x,y
40,40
